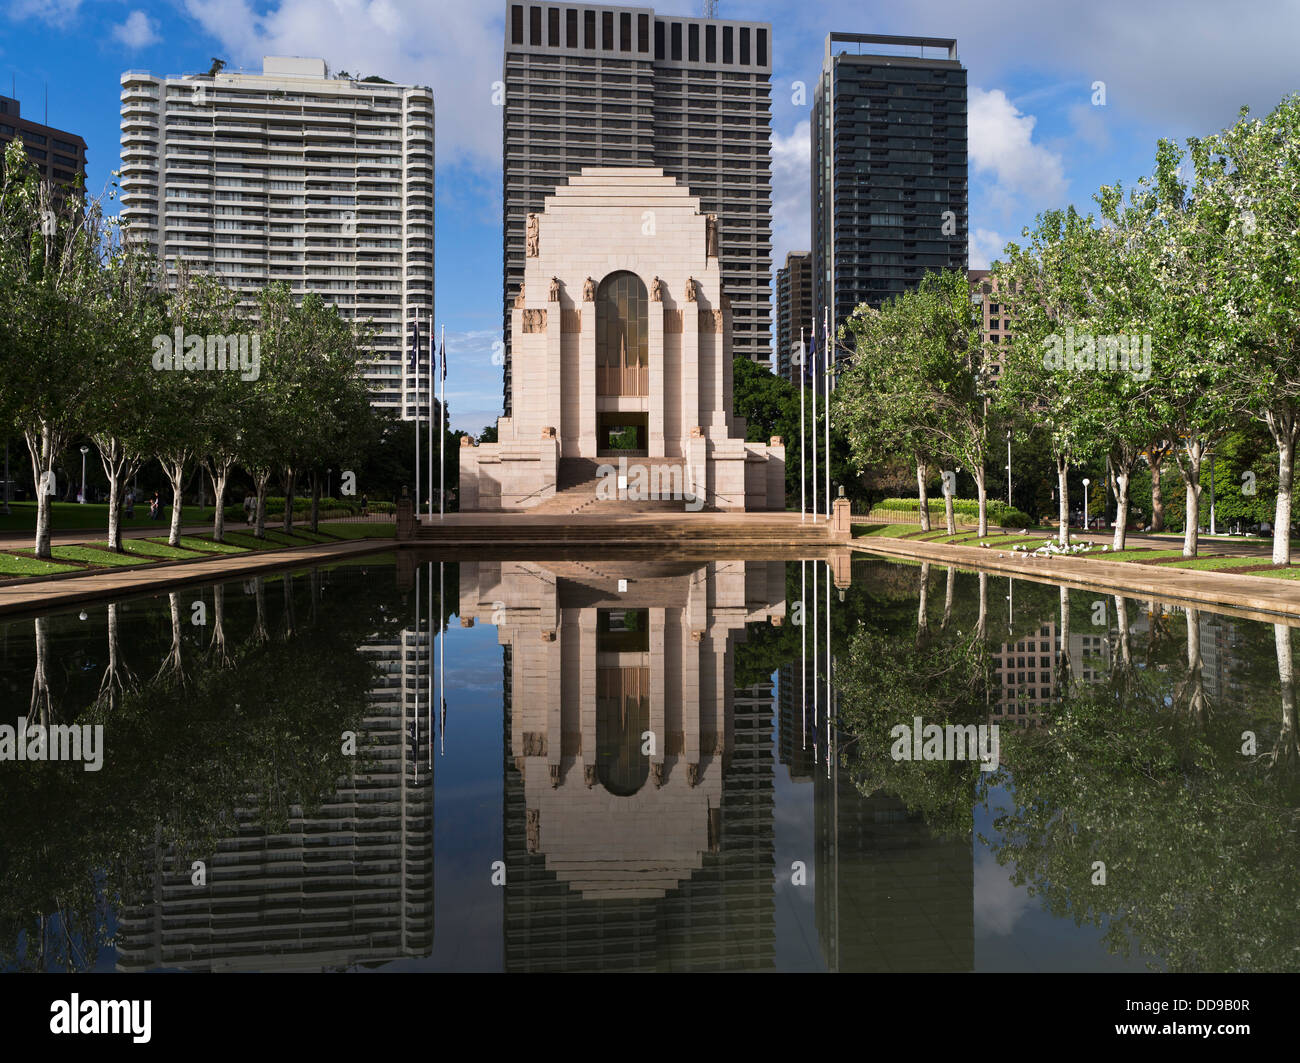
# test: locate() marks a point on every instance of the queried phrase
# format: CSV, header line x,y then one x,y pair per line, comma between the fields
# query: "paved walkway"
x,y
1256,597
117,583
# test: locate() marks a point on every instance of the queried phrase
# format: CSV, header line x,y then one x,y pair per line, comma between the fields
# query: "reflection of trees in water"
x,y
889,674
254,722
1285,755
1143,770
1143,774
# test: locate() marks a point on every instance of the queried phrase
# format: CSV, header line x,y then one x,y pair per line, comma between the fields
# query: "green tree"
x,y
1248,188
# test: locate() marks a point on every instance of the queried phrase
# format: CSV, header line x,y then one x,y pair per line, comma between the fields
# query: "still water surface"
x,y
633,765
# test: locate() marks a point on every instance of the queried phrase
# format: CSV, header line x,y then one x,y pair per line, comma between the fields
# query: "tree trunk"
x,y
315,501
175,471
42,704
114,513
949,517
261,484
259,599
1063,491
1157,493
1121,510
982,624
982,495
1194,686
1063,651
1286,753
921,620
218,474
1191,470
44,449
948,595
1121,621
1285,478
290,480
921,494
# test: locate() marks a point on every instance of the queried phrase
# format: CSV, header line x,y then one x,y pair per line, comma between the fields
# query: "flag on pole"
x,y
442,356
415,343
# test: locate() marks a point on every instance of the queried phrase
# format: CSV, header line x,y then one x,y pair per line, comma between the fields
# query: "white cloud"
x,y
473,382
1001,146
456,48
984,246
137,31
999,903
55,12
791,180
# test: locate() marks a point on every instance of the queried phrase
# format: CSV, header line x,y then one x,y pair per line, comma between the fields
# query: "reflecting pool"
x,y
647,763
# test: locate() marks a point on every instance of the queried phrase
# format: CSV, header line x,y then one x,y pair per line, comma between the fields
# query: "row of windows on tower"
x,y
614,31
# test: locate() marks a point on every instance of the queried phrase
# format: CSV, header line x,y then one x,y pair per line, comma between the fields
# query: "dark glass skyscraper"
x,y
889,192
793,308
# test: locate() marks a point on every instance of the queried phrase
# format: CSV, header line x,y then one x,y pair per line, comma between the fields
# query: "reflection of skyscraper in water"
x,y
350,884
891,896
638,804
796,735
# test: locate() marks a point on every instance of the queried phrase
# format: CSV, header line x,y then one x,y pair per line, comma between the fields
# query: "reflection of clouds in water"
x,y
998,904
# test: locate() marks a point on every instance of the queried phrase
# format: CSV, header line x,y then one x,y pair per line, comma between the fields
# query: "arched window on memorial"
x,y
622,336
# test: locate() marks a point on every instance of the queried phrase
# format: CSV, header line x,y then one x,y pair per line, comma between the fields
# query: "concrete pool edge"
x,y
63,589
1260,599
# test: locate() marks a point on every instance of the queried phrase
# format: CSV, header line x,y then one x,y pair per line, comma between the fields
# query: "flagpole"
x,y
442,422
803,652
829,692
828,345
803,372
442,662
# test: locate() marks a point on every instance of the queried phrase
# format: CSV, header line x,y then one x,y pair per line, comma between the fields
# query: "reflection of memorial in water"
x,y
638,780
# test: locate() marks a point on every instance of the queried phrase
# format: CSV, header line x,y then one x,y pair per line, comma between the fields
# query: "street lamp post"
x,y
84,451
1086,482
1008,467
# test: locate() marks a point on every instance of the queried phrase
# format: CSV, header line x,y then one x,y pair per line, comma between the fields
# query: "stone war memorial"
x,y
622,366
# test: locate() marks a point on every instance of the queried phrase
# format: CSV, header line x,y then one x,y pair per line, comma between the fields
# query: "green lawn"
x,y
360,530
150,550
1281,573
90,556
17,565
204,546
1132,555
1212,563
69,516
244,540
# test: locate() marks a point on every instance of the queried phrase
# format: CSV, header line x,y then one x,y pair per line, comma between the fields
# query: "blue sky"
x,y
1172,68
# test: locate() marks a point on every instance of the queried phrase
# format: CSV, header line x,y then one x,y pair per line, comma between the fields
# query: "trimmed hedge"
x,y
968,508
334,508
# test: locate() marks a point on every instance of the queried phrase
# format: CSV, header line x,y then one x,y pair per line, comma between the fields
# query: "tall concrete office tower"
x,y
293,175
59,156
587,85
889,194
794,305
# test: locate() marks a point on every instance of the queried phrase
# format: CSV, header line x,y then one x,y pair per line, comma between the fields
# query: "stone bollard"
x,y
405,519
